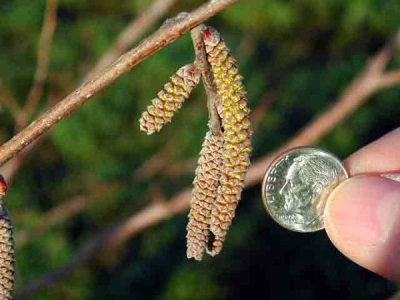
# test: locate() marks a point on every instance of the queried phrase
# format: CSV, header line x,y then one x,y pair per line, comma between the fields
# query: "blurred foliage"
x,y
302,53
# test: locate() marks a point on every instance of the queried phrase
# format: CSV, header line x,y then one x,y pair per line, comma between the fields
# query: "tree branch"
x,y
168,33
135,30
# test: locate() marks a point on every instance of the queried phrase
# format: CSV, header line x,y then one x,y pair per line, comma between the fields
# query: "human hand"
x,y
362,215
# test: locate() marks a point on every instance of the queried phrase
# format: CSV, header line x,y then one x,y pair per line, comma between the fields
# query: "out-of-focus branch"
x,y
362,87
167,34
51,278
8,99
366,83
63,212
132,33
42,68
155,163
396,296
21,116
390,79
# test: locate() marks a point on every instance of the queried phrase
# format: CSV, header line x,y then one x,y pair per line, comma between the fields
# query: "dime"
x,y
297,184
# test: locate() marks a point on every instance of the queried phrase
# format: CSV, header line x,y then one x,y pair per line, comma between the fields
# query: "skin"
x,y
362,215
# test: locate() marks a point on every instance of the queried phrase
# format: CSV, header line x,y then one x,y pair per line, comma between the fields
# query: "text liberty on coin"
x,y
297,185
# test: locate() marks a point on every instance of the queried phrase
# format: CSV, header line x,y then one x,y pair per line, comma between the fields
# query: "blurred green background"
x,y
296,56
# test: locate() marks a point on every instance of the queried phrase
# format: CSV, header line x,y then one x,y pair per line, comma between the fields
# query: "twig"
x,y
43,59
156,212
390,79
168,33
135,30
63,212
8,99
155,163
207,76
51,278
395,296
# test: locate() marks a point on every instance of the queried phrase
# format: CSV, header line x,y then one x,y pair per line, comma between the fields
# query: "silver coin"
x,y
297,184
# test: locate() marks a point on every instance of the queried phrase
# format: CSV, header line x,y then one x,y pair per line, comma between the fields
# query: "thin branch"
x,y
8,99
155,163
353,96
389,79
43,59
131,34
63,212
208,80
168,33
53,277
395,296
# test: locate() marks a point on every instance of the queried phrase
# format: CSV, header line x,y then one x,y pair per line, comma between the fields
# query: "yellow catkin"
x,y
170,99
199,237
235,122
6,256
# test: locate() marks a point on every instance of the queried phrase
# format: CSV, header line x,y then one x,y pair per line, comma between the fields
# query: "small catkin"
x,y
199,237
170,99
7,255
235,122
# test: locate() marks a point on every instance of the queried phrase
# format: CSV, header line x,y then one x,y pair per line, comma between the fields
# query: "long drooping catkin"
x,y
204,194
170,99
235,122
7,255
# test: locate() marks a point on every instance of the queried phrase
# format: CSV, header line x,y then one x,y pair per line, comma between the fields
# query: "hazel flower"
x,y
170,99
199,237
235,124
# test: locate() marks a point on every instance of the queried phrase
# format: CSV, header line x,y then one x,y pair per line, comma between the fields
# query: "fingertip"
x,y
362,218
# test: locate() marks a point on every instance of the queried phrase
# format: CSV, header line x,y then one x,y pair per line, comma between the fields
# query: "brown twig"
x,y
168,33
395,296
207,76
362,87
43,59
131,34
155,163
8,99
63,212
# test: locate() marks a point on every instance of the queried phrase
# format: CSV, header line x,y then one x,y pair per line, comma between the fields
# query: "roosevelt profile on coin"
x,y
297,184
304,186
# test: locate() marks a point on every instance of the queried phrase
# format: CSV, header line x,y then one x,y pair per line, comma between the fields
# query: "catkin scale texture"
x,y
203,195
7,256
170,99
235,123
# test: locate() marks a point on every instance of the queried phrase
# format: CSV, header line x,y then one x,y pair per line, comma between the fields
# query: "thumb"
x,y
362,218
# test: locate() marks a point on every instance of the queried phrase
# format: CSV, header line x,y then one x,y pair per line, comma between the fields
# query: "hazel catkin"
x,y
204,193
170,99
235,124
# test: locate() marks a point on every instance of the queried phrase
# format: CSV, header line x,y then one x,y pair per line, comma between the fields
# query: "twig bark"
x,y
168,33
208,80
132,33
362,87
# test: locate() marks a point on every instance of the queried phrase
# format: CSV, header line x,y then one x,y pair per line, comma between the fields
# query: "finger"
x,y
379,156
363,221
